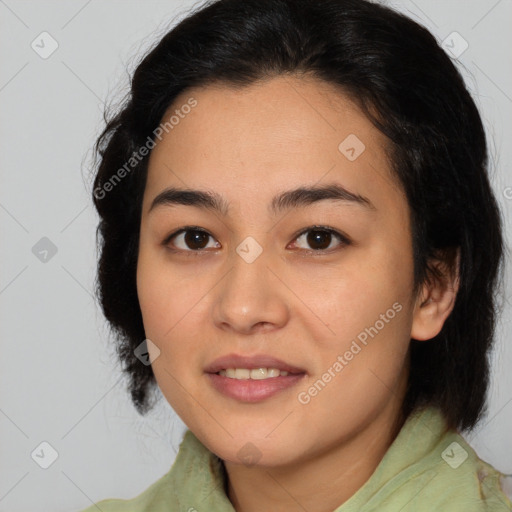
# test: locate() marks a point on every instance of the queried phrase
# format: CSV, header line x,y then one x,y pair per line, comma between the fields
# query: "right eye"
x,y
190,239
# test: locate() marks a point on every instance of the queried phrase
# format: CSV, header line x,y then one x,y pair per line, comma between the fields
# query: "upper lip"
x,y
250,362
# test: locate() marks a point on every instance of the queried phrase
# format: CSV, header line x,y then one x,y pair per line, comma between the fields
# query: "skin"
x,y
301,306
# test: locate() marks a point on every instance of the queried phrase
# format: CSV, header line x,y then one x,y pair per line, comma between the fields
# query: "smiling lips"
x,y
255,373
252,379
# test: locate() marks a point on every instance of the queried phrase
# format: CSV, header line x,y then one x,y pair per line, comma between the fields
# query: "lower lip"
x,y
252,390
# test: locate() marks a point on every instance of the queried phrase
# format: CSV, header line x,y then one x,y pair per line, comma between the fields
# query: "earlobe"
x,y
436,300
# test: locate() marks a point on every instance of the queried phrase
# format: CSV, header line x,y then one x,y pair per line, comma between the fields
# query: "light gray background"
x,y
60,381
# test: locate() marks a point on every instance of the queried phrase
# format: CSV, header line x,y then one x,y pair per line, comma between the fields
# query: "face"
x,y
252,275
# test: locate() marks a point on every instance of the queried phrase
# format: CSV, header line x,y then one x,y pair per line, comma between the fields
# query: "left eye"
x,y
321,239
192,239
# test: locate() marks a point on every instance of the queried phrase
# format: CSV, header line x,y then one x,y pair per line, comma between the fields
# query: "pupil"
x,y
196,239
315,239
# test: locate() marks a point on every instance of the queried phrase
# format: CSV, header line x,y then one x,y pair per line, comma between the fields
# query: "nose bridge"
x,y
250,294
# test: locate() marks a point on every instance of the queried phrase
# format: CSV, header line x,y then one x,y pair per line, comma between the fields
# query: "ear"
x,y
436,297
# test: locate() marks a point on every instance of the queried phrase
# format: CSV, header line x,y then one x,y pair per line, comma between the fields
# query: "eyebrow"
x,y
296,198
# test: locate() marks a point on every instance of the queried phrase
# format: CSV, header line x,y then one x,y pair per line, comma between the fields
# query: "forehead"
x,y
269,136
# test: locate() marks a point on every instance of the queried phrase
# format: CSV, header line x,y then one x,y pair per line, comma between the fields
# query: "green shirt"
x,y
427,468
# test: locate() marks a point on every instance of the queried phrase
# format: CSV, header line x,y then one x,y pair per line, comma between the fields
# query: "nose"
x,y
251,298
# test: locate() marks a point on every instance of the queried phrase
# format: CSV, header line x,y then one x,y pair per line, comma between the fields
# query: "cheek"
x,y
171,305
155,293
366,359
368,308
363,288
164,314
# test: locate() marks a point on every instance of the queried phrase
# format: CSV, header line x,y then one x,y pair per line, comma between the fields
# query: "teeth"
x,y
242,374
254,374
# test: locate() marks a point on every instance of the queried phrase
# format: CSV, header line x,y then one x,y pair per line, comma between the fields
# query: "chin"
x,y
253,450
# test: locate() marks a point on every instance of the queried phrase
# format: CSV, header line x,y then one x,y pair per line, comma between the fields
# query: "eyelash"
x,y
343,240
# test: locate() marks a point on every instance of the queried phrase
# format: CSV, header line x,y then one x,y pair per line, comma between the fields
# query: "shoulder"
x,y
494,486
167,493
430,467
506,486
158,497
460,479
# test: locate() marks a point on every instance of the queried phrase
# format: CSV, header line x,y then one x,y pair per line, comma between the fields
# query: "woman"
x,y
294,201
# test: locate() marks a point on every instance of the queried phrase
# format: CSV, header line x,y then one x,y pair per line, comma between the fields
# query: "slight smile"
x,y
252,378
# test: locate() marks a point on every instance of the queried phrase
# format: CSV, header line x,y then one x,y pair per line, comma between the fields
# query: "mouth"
x,y
255,367
254,373
254,378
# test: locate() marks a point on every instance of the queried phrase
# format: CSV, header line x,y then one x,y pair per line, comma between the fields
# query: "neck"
x,y
318,484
